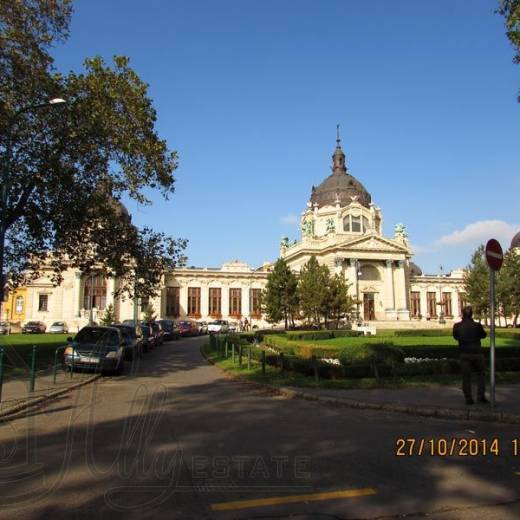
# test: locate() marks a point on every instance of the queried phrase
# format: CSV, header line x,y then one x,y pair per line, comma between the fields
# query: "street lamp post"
x,y
5,179
358,274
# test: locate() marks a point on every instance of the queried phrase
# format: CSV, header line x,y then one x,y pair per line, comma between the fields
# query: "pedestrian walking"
x,y
469,333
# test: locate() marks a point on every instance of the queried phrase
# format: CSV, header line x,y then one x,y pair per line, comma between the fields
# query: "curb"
x,y
11,413
421,411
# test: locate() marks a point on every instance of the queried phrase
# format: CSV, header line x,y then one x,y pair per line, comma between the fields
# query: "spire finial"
x,y
338,140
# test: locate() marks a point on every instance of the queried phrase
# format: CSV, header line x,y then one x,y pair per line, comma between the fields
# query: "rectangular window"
x,y
254,303
172,302
415,303
144,303
215,309
194,302
235,303
446,304
431,298
43,302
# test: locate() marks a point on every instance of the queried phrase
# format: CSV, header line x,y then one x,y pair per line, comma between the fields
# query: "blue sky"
x,y
249,93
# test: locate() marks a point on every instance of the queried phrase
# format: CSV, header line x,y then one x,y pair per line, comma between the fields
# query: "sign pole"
x,y
492,278
494,259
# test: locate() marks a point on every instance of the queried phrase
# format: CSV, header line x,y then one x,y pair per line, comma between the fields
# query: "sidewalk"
x,y
15,389
444,402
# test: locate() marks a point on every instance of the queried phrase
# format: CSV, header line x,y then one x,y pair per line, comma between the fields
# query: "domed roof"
x,y
516,241
340,185
415,270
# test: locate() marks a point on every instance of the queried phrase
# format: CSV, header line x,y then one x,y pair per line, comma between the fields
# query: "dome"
x,y
340,186
516,241
415,270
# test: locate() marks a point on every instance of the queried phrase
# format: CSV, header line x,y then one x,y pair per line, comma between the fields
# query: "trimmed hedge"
x,y
321,334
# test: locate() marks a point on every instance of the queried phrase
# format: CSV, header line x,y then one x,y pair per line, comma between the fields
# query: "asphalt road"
x,y
173,438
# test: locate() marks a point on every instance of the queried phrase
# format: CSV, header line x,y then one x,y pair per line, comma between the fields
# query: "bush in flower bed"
x,y
378,353
310,335
423,332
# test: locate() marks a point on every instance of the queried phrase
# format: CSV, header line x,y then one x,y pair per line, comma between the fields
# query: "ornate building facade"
x,y
341,226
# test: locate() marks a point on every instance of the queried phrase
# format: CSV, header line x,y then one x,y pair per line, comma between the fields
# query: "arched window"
x,y
356,224
366,225
369,272
95,293
346,224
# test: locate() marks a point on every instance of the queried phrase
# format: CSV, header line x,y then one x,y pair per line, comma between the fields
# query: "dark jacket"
x,y
469,333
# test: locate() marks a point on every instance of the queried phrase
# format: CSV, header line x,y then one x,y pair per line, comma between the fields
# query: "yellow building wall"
x,y
14,308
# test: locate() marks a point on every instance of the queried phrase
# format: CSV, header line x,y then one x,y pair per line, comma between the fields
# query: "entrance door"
x,y
369,307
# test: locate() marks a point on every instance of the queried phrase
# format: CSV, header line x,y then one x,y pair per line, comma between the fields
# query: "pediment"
x,y
374,243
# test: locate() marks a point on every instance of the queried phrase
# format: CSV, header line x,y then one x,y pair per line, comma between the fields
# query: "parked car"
x,y
99,348
148,337
34,327
170,329
59,327
233,326
157,331
218,326
188,328
5,328
133,338
203,327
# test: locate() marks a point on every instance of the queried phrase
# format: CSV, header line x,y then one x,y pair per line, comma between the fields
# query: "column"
x,y
111,288
246,299
424,303
204,300
225,301
455,304
389,289
401,291
183,300
76,297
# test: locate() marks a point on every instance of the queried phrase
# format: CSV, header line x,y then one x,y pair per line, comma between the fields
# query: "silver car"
x,y
5,328
58,327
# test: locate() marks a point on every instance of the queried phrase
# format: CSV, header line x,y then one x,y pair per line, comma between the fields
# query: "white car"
x,y
58,327
217,326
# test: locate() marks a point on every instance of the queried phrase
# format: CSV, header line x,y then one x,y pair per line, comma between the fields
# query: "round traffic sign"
x,y
494,254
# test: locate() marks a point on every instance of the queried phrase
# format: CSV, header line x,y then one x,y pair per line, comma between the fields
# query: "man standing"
x,y
469,333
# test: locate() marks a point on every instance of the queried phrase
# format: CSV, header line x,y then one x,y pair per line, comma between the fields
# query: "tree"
x,y
476,284
313,286
508,285
69,167
109,316
510,10
279,298
149,313
338,301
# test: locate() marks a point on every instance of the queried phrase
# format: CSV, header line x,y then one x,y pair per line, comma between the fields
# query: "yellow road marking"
x,y
291,499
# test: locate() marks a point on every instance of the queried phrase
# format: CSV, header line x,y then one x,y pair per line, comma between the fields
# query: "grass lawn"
x,y
18,350
275,378
408,341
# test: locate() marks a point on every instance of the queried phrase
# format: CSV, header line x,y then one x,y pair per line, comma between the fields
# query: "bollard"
x,y
249,358
33,369
240,355
315,368
233,352
281,361
263,362
1,371
226,349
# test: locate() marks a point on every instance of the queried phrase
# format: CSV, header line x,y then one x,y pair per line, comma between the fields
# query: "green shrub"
x,y
376,353
316,335
423,332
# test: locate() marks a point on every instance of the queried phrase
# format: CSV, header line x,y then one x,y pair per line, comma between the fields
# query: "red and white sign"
x,y
494,254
